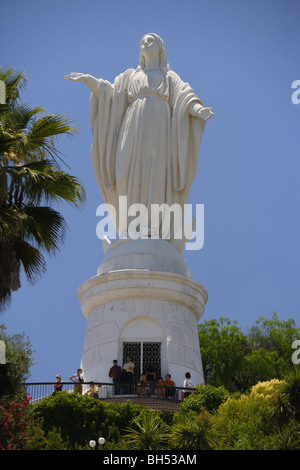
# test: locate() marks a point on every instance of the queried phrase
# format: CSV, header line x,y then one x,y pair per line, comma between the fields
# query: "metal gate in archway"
x,y
145,356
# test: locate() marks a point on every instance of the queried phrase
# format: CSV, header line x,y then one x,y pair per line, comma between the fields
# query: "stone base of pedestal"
x,y
150,315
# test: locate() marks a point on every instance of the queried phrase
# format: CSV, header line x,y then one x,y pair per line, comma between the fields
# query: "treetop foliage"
x,y
239,359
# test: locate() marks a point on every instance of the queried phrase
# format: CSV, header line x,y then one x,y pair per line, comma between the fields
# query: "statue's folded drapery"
x,y
145,141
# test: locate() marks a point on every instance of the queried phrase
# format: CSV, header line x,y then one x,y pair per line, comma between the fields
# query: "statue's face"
x,y
149,45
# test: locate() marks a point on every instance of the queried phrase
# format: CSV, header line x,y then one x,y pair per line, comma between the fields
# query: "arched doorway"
x,y
142,341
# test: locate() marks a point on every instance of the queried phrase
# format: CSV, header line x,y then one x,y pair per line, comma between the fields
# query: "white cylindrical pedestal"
x,y
142,306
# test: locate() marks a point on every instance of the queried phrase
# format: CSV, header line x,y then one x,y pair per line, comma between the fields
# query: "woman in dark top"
x,y
58,385
151,378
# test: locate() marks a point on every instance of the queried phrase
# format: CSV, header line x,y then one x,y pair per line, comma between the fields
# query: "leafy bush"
x,y
267,389
205,396
255,421
245,422
76,416
51,441
14,425
237,359
19,359
80,417
265,418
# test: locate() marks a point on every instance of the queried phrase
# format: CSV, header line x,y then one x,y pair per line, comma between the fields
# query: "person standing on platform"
x,y
78,380
151,378
128,369
187,383
58,385
115,373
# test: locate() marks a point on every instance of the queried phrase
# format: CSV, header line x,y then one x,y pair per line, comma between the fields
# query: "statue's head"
x,y
163,62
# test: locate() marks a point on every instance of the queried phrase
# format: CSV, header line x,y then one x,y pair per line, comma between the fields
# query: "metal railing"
x,y
157,397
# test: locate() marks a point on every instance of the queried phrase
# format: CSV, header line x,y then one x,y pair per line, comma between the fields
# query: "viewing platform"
x,y
165,399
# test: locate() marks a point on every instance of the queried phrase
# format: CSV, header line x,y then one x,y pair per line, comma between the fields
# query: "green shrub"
x,y
210,418
195,432
148,432
205,396
79,417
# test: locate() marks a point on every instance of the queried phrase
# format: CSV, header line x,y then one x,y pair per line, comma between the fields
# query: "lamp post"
x,y
94,444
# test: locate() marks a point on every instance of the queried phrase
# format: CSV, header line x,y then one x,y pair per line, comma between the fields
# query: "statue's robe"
x,y
145,142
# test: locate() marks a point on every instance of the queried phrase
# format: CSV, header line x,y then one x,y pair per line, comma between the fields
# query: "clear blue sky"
x,y
241,58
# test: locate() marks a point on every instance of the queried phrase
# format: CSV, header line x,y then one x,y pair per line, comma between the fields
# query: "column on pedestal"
x,y
144,307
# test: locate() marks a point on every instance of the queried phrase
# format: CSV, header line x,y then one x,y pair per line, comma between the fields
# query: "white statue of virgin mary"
x,y
147,128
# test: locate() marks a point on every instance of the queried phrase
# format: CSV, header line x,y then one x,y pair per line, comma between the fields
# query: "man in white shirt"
x,y
187,384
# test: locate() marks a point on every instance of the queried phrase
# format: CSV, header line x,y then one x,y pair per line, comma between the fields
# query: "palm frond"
x,y
44,128
40,181
149,432
9,222
32,260
44,227
15,81
21,115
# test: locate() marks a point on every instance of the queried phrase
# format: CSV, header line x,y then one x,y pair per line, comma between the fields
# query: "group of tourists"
x,y
124,382
161,388
148,384
78,381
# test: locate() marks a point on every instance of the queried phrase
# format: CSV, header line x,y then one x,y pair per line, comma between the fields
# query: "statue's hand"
x,y
76,77
197,110
90,81
205,113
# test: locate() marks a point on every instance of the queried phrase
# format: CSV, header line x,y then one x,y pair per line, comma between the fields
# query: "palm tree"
x,y
195,432
30,181
290,391
149,432
289,437
281,411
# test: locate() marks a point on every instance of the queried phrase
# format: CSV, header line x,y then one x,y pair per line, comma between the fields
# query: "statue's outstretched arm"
x,y
197,110
89,80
